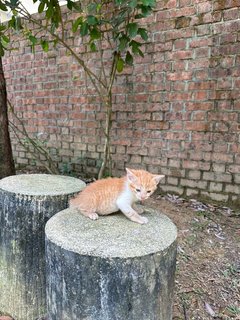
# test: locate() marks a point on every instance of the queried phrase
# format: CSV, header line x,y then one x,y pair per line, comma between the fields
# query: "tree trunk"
x,y
110,269
6,157
27,201
107,131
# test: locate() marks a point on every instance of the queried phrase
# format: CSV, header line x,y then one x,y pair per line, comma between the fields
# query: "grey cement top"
x,y
41,184
111,236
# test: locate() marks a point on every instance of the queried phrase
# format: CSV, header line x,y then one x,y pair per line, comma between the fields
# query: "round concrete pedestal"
x,y
110,269
26,203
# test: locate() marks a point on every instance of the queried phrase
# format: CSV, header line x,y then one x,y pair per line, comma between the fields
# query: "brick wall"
x,y
177,112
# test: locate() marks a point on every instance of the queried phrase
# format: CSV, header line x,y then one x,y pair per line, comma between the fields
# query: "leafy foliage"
x,y
119,19
114,25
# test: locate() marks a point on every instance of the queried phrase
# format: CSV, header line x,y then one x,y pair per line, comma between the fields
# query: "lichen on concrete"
x,y
111,236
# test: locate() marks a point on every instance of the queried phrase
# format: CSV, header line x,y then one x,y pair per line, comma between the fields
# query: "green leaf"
x,y
55,42
69,4
140,53
14,3
123,42
133,4
33,39
150,3
76,23
92,20
93,47
135,48
139,16
92,7
4,41
132,29
49,12
143,33
15,23
1,50
41,7
95,34
146,10
129,59
77,6
99,7
3,6
5,38
120,65
84,29
45,45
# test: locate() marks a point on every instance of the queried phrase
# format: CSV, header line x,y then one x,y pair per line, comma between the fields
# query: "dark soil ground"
x,y
208,266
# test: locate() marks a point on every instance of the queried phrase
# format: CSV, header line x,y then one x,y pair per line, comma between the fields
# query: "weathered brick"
x,y
232,189
172,189
215,187
193,183
237,178
172,181
194,174
215,196
217,167
215,176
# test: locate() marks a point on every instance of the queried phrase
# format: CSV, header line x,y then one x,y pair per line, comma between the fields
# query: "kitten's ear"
x,y
131,176
157,178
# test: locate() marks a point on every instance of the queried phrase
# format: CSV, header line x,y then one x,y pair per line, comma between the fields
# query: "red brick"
x,y
158,125
178,105
179,76
196,126
204,7
180,55
225,158
199,106
180,44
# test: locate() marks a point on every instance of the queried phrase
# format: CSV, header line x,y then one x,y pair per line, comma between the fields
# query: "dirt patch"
x,y
208,264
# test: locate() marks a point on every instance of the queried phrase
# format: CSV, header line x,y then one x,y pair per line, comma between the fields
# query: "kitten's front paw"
x,y
93,216
144,220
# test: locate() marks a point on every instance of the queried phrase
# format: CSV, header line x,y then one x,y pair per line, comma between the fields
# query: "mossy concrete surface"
x,y
111,236
110,269
41,184
26,203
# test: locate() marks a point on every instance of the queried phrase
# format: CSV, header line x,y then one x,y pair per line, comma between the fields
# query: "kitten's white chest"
x,y
127,196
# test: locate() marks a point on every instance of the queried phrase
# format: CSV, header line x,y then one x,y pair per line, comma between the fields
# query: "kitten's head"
x,y
142,183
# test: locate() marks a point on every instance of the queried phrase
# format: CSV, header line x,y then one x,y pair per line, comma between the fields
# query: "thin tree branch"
x,y
39,150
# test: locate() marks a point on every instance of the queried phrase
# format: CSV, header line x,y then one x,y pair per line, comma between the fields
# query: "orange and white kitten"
x,y
109,195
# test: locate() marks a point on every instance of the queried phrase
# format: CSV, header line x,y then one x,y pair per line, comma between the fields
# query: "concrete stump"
x,y
110,269
26,203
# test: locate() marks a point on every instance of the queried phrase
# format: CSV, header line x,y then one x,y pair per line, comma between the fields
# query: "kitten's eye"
x,y
149,191
138,190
